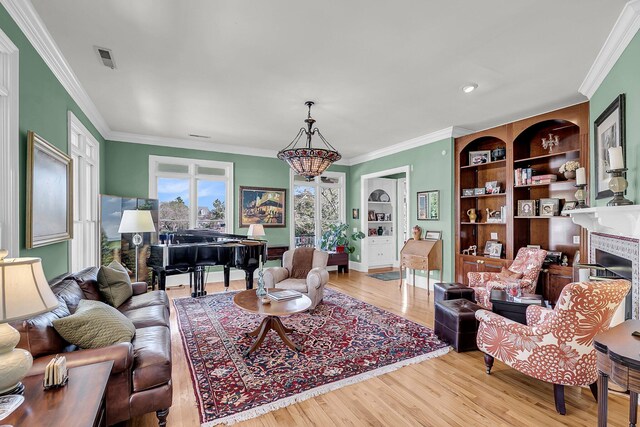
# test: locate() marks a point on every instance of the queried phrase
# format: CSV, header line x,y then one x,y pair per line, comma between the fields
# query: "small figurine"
x,y
417,232
565,261
471,250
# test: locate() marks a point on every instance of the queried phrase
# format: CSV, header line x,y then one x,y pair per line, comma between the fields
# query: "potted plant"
x,y
336,238
569,169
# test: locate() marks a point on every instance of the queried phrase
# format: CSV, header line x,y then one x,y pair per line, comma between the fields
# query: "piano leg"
x,y
203,284
227,274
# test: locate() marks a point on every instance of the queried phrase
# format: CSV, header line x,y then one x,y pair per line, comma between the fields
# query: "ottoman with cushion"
x,y
455,322
447,291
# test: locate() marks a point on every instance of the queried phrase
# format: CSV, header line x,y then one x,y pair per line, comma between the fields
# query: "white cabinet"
x,y
381,215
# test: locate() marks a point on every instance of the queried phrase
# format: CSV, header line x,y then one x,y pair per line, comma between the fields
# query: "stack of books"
x,y
544,179
284,295
523,176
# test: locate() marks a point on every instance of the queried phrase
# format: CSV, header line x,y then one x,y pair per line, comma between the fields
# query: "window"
x,y
316,205
84,150
192,193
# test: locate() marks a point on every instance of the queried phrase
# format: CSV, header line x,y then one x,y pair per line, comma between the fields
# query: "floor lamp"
x,y
24,292
136,221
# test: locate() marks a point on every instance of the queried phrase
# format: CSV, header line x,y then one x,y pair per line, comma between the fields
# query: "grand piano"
x,y
192,251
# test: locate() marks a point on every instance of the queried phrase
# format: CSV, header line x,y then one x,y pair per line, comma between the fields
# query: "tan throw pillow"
x,y
114,284
509,275
95,325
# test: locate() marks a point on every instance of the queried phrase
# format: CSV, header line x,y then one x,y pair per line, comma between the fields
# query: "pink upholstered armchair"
x,y
523,271
556,345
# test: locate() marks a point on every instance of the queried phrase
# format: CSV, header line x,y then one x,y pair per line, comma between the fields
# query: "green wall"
x,y
624,77
431,171
44,104
128,175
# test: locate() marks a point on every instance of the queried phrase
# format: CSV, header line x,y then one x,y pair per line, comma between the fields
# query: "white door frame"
x,y
364,246
9,147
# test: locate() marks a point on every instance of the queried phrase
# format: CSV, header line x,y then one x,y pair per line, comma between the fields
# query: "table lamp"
x,y
256,230
136,221
24,292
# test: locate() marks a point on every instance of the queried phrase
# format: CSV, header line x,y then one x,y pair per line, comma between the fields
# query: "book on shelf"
x,y
285,295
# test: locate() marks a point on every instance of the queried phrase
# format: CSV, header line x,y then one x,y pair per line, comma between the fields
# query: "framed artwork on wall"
x,y
355,213
429,205
49,193
266,206
608,132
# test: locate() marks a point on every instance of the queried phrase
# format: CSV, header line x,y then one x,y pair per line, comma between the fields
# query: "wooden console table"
x,y
618,355
80,403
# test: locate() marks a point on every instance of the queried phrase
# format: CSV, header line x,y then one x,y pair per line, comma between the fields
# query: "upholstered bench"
x,y
447,291
455,322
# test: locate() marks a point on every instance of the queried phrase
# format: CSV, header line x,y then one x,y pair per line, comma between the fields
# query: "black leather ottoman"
x,y
455,322
447,291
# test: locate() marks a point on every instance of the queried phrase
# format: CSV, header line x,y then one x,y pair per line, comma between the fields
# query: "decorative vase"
x,y
472,215
570,174
417,233
380,231
261,291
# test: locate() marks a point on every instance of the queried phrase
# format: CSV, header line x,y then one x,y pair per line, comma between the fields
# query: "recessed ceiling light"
x,y
470,87
195,135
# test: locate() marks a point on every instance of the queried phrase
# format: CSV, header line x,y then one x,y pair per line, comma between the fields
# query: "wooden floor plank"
x,y
451,390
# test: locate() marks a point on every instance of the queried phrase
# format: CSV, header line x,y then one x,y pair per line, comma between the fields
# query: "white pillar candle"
x,y
581,176
615,158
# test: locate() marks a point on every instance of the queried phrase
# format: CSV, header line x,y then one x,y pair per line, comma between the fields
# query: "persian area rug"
x,y
391,275
343,342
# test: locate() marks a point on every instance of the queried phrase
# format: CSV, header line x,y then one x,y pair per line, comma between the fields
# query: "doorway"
x,y
385,216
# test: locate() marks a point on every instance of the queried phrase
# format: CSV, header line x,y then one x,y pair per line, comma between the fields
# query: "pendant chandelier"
x,y
307,161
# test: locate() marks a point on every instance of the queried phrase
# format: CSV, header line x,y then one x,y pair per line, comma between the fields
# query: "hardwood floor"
x,y
451,390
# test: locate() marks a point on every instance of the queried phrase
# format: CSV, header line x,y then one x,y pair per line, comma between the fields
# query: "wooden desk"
x,y
421,255
618,358
80,403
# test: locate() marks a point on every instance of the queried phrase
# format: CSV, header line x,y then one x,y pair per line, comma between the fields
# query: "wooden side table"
x,y
339,259
618,359
80,403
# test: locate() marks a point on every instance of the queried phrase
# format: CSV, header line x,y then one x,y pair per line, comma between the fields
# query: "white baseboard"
x,y
211,277
421,281
357,266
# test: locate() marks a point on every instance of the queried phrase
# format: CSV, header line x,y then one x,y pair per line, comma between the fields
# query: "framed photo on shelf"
x,y
49,193
429,205
433,235
569,206
479,157
546,209
493,249
371,216
526,208
479,191
466,192
380,216
266,206
555,204
609,132
490,186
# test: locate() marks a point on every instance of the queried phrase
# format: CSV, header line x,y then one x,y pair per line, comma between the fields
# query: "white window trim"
x,y
317,184
75,126
9,148
192,164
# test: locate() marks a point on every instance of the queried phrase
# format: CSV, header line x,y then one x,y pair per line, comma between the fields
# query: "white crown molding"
x,y
439,135
621,34
202,145
26,17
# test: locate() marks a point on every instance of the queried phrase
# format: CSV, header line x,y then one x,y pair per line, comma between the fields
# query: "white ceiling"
x,y
381,72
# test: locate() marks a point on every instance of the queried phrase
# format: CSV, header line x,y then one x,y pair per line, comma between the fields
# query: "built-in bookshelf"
x,y
523,149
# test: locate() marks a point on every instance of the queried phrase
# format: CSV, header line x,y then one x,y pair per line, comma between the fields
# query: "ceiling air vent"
x,y
195,135
106,57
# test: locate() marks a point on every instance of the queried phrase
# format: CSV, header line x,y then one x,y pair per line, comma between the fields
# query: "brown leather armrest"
x,y
121,354
139,288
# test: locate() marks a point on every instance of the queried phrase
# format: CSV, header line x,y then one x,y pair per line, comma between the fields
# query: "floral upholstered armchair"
x,y
523,272
556,345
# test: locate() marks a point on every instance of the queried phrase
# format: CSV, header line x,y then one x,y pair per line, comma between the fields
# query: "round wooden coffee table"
x,y
248,301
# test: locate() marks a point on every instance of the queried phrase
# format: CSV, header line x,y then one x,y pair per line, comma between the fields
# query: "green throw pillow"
x,y
114,284
95,325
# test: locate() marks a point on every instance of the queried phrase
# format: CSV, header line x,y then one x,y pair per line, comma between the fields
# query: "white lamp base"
x,y
14,362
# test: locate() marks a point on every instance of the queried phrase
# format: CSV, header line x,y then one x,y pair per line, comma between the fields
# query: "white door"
x,y
84,150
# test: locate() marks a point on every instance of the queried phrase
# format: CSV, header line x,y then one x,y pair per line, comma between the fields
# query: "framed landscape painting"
x,y
609,132
266,206
429,205
49,193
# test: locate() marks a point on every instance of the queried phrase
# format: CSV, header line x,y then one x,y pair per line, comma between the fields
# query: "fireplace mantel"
x,y
614,220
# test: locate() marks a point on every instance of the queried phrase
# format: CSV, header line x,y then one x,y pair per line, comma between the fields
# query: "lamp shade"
x,y
255,230
24,290
136,222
